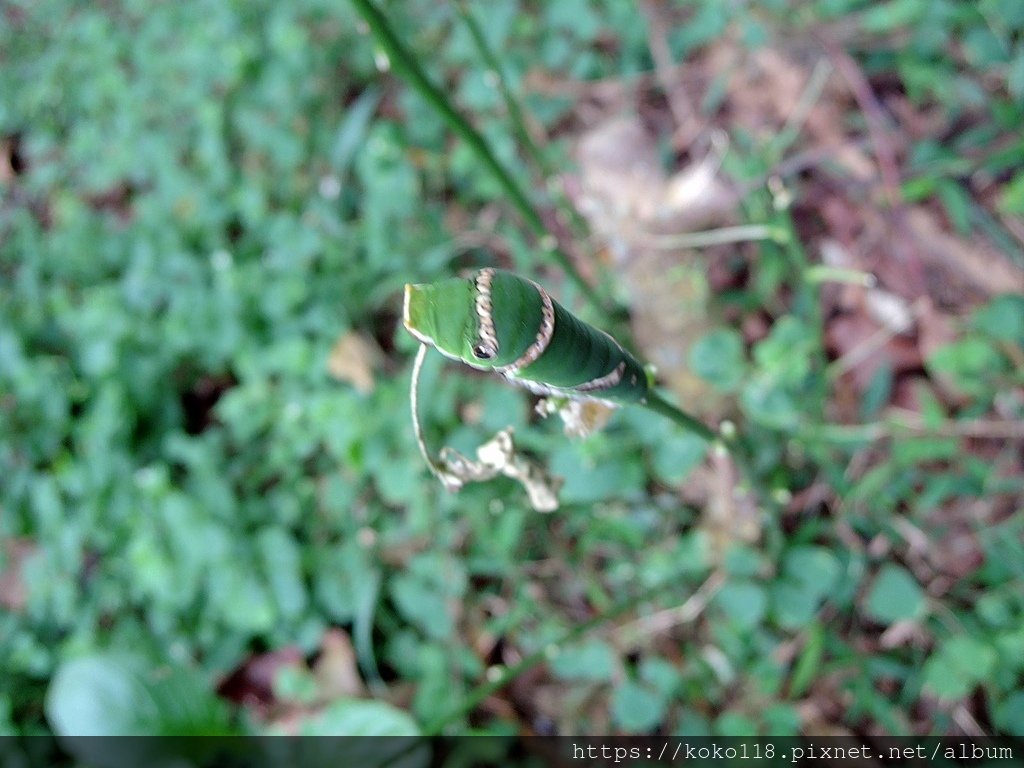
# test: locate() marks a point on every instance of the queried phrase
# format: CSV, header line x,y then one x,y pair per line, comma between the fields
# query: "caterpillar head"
x,y
443,315
493,320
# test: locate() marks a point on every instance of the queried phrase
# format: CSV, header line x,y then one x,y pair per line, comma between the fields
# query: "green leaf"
x,y
1012,198
593,660
813,566
960,664
359,717
1015,83
691,723
894,596
735,724
1009,714
741,560
786,352
1002,318
917,450
636,708
576,17
957,203
111,694
423,604
994,609
782,720
971,363
423,593
878,392
807,666
883,17
982,48
242,599
705,25
295,684
769,403
600,474
677,455
283,568
352,129
808,577
660,674
743,602
1010,13
1011,649
718,357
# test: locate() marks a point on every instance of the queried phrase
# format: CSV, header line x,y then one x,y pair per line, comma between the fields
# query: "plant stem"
x,y
739,234
515,112
406,65
518,116
738,448
664,408
822,273
910,426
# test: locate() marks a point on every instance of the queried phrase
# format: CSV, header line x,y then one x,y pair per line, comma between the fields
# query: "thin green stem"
x,y
518,117
405,64
515,112
822,273
664,408
738,448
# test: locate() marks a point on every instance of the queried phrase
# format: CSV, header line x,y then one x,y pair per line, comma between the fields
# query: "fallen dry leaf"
x,y
353,360
961,266
336,670
626,197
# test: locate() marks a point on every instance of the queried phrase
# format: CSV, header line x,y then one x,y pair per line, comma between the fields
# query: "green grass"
x,y
197,205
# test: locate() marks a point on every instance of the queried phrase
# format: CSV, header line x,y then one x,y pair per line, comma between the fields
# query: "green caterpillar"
x,y
498,321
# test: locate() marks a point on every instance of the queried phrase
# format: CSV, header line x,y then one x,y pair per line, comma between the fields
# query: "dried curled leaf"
x,y
498,457
580,418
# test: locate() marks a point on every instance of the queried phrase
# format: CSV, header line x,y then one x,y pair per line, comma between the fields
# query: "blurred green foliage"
x,y
209,195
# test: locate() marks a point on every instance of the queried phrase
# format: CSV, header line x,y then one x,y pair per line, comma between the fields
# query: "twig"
x,y
967,723
687,124
873,113
720,236
662,621
884,152
872,344
614,86
798,116
910,424
438,471
861,352
796,164
1014,225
